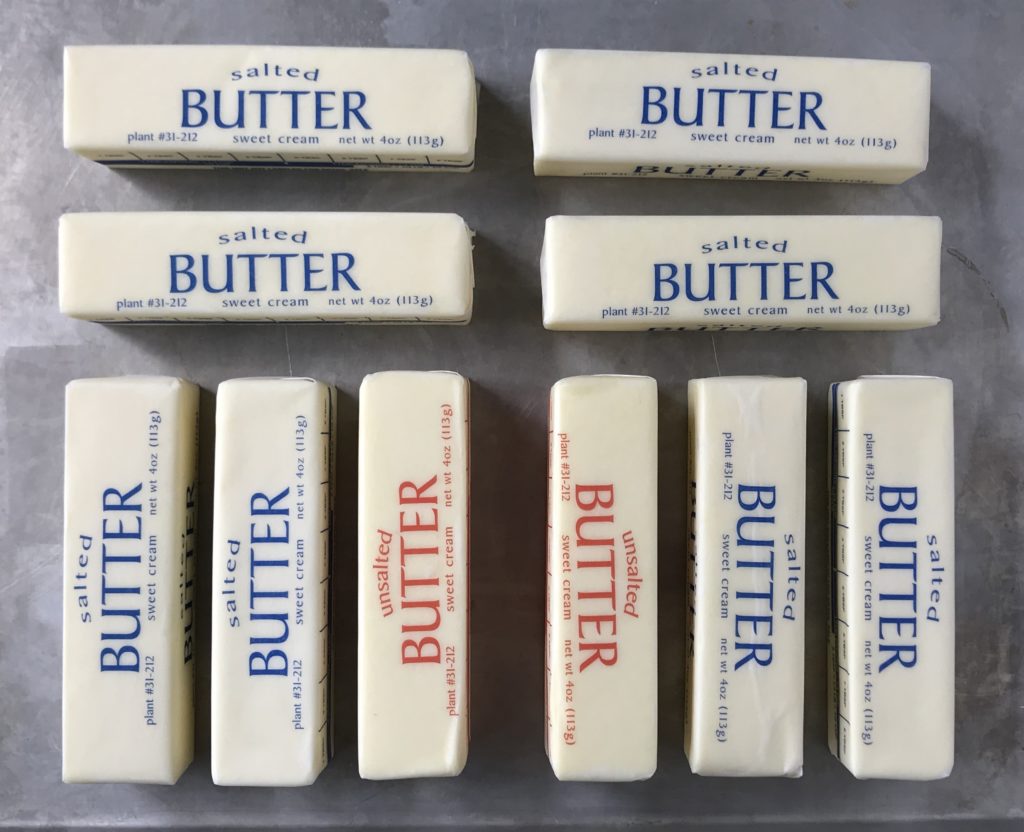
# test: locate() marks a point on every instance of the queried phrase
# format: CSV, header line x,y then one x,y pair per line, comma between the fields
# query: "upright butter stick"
x,y
413,661
270,106
602,597
272,507
757,272
756,117
129,568
891,680
252,266
745,647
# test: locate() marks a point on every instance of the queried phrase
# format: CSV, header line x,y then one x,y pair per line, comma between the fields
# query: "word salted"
x,y
745,640
267,70
255,266
273,493
413,551
129,579
891,644
270,106
601,635
667,273
664,114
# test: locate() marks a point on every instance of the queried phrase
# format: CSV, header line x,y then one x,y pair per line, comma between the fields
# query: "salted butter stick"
x,y
272,507
162,267
891,680
270,106
745,642
413,655
129,568
602,576
751,273
700,116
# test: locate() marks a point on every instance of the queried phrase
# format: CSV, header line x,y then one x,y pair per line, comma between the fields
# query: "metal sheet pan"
x,y
975,182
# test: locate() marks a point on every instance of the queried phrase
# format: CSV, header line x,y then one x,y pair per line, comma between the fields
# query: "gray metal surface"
x,y
975,182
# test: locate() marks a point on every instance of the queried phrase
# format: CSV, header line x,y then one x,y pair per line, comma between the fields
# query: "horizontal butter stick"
x,y
270,106
721,116
746,582
413,654
602,574
272,509
741,272
130,504
891,645
253,266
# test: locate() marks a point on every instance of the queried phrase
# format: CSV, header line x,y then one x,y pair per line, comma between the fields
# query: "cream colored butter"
x,y
272,511
746,581
891,645
754,272
413,550
722,116
256,266
270,106
130,505
602,597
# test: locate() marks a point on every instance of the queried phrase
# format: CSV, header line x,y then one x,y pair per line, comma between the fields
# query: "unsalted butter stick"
x,y
745,647
756,117
756,272
129,569
270,106
891,647
413,655
253,266
602,576
272,507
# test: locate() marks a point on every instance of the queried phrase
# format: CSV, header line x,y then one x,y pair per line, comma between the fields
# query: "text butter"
x,y
602,579
270,106
272,509
745,579
755,117
163,267
891,645
413,655
130,506
744,273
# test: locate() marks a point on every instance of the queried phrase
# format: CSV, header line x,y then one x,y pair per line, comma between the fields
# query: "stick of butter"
x,y
252,266
601,650
130,499
272,508
700,116
891,644
270,106
413,654
745,643
741,273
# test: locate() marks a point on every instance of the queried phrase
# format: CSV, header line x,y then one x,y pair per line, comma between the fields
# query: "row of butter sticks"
x,y
594,113
130,646
597,272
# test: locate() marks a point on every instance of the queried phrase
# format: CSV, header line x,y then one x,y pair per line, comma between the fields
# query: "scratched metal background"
x,y
975,182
